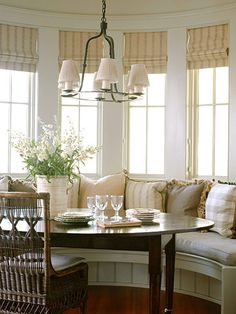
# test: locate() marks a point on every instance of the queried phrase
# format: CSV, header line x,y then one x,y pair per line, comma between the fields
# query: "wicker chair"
x,y
32,279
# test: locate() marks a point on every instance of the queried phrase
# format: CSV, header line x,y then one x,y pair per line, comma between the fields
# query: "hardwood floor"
x,y
125,300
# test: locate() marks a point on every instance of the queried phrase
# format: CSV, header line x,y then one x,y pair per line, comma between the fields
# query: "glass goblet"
x,y
91,204
101,203
116,203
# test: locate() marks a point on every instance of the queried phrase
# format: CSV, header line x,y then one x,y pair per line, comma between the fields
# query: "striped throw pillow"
x,y
220,208
143,194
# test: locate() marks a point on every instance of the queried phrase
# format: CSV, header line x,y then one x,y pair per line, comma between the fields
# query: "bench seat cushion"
x,y
209,244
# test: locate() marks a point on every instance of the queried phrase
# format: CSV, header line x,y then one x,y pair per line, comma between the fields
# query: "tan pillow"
x,y
144,194
21,186
73,194
221,208
204,186
184,199
111,185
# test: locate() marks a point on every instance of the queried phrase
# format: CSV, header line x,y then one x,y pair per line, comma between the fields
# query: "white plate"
x,y
146,215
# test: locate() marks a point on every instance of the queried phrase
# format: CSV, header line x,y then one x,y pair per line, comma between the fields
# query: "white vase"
x,y
57,187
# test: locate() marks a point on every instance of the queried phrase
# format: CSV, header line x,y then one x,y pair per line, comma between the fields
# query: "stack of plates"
x,y
76,217
146,215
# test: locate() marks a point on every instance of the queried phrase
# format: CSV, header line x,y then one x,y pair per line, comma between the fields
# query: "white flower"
x,y
53,154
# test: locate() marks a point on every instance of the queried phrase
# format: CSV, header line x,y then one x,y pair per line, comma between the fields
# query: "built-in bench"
x,y
205,262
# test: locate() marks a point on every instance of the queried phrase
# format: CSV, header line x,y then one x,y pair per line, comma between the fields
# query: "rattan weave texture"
x,y
28,281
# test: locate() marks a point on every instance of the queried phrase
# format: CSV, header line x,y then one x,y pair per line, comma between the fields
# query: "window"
x,y
209,105
207,61
18,63
146,129
17,109
145,118
84,117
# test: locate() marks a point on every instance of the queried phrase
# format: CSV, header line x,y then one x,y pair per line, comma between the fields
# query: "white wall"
x,y
176,24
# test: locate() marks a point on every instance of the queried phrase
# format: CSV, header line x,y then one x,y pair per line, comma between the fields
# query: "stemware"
x,y
91,204
101,203
116,203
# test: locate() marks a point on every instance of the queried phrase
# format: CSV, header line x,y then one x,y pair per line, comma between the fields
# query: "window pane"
x,y
222,85
205,86
4,138
20,86
19,123
70,114
156,90
155,150
221,141
5,85
88,130
20,118
137,140
205,141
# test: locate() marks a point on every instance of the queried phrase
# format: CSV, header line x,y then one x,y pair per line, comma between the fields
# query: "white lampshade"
x,y
107,72
138,78
97,86
69,75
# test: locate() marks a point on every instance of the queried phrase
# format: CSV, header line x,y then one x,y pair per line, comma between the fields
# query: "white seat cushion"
x,y
61,262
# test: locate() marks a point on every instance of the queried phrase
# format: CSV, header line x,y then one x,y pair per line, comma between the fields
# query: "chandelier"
x,y
105,88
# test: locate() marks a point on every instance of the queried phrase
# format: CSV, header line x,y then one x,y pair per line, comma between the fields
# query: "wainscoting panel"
x,y
130,269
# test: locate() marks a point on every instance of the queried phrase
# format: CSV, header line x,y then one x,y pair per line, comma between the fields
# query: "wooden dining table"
x,y
149,238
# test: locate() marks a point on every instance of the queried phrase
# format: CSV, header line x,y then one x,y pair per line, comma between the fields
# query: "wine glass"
x,y
91,204
116,203
101,203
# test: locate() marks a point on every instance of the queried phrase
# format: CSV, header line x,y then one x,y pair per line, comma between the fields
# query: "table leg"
x,y
170,270
154,274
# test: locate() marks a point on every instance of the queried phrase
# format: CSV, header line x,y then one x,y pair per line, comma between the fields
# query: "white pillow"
x,y
110,185
220,208
4,184
144,194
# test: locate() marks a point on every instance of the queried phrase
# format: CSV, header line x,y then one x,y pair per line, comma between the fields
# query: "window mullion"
x,y
214,122
146,150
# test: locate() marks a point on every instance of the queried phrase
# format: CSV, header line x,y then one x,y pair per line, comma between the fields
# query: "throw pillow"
x,y
184,198
4,183
73,194
187,197
144,194
110,185
21,186
221,208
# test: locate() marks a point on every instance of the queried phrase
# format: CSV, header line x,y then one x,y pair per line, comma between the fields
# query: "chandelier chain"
x,y
103,19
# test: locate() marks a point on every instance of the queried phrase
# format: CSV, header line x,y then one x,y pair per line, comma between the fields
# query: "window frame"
x,y
98,105
193,126
31,117
126,137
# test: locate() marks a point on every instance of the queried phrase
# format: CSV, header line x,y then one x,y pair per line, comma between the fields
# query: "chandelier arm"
x,y
85,58
110,41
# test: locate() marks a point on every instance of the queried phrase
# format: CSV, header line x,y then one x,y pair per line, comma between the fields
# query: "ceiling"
x,y
115,7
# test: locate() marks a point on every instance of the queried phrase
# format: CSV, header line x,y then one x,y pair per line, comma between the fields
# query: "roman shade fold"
x,y
18,49
72,47
208,47
149,48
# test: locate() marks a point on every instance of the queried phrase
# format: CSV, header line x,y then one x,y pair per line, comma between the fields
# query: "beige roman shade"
x,y
208,47
149,48
18,48
72,47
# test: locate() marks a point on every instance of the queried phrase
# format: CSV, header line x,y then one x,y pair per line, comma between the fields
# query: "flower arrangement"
x,y
54,153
